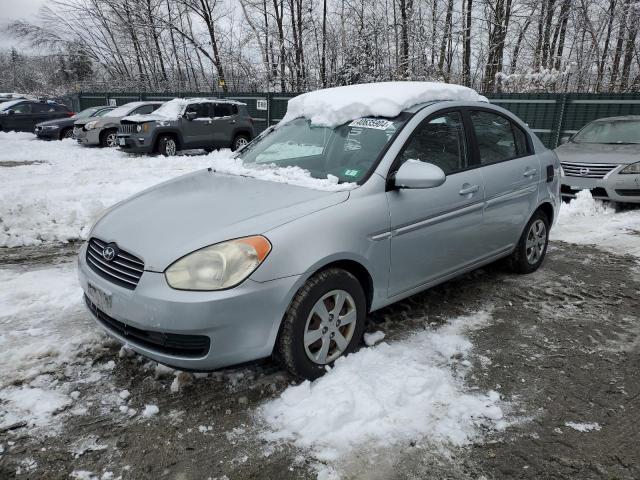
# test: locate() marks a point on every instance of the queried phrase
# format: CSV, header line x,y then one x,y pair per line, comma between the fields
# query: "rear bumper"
x,y
135,144
615,187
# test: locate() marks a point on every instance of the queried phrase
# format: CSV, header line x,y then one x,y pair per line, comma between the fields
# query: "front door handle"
x,y
529,172
468,189
232,121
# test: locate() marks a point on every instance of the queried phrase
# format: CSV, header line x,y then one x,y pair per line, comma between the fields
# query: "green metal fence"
x,y
550,116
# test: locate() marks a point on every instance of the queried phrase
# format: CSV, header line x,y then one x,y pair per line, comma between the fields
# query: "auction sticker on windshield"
x,y
375,123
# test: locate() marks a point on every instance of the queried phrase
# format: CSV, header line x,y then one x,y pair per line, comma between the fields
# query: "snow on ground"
x,y
584,427
393,393
334,106
38,310
586,221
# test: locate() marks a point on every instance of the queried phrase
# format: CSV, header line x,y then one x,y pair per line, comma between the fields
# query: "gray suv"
x,y
102,131
182,124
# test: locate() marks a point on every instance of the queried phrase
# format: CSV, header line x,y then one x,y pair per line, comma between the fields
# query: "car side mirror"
x,y
565,139
190,115
11,111
417,174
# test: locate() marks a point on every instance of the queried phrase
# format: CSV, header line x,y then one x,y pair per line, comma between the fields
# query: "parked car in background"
x,y
23,115
182,124
603,157
63,127
102,131
232,263
7,97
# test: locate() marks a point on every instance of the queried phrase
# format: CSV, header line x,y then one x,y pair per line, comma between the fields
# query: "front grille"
x,y
193,346
587,170
76,131
127,128
629,192
123,269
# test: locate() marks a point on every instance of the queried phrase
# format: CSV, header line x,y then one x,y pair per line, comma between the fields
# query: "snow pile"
x,y
222,163
584,427
59,200
587,221
335,106
150,410
388,394
36,406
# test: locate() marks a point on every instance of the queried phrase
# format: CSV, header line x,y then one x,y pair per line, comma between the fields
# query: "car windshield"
x,y
347,152
123,110
610,131
87,112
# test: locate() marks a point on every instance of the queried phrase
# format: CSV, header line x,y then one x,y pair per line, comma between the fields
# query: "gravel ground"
x,y
563,347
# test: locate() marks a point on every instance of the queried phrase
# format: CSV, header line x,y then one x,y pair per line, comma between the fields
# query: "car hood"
x,y
598,153
146,118
102,121
170,220
58,121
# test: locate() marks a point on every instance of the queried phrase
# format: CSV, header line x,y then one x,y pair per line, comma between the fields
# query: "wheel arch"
x,y
548,210
167,133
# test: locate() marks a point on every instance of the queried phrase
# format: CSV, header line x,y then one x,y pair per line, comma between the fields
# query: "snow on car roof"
x,y
172,109
335,106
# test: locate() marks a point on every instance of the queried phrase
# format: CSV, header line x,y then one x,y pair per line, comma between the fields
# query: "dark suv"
x,y
23,115
182,124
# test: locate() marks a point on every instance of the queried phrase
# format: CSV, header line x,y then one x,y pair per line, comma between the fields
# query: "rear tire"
x,y
532,246
324,322
167,146
109,138
66,133
240,141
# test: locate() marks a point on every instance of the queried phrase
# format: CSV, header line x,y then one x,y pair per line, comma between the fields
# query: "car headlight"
x,y
139,128
50,127
220,266
633,168
561,171
90,125
142,127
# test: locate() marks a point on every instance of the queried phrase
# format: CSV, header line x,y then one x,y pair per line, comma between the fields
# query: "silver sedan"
x,y
211,269
603,157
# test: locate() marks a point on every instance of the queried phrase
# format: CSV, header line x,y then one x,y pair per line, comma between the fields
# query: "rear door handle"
x,y
529,172
469,189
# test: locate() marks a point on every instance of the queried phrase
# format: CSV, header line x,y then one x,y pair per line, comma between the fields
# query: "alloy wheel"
x,y
112,140
330,327
536,241
171,147
240,143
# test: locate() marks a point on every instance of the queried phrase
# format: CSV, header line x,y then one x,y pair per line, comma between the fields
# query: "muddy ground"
x,y
563,346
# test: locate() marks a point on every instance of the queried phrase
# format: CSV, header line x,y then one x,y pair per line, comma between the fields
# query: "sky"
x,y
15,10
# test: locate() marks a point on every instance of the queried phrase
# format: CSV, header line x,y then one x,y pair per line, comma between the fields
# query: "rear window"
x,y
224,110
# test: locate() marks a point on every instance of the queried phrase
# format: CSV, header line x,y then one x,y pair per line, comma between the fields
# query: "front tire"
x,y
167,146
109,139
532,246
324,322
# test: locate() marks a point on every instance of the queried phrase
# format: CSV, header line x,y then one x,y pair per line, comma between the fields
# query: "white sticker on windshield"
x,y
376,123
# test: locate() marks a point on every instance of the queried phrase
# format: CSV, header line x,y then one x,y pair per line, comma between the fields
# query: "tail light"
x,y
70,114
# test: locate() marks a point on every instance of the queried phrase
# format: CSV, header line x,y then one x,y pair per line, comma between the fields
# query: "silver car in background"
x,y
103,131
210,270
603,157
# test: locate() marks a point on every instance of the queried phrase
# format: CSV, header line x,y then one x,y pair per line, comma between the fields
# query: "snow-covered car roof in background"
x,y
335,106
172,109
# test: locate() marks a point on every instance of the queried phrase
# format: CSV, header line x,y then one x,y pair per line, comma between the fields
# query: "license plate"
x,y
99,297
121,142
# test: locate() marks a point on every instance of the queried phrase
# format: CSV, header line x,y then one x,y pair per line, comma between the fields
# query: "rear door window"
x,y
498,138
223,110
440,140
22,108
202,110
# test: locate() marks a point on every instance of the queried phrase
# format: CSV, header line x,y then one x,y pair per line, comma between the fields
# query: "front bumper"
x,y
135,143
47,134
241,323
87,137
623,188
